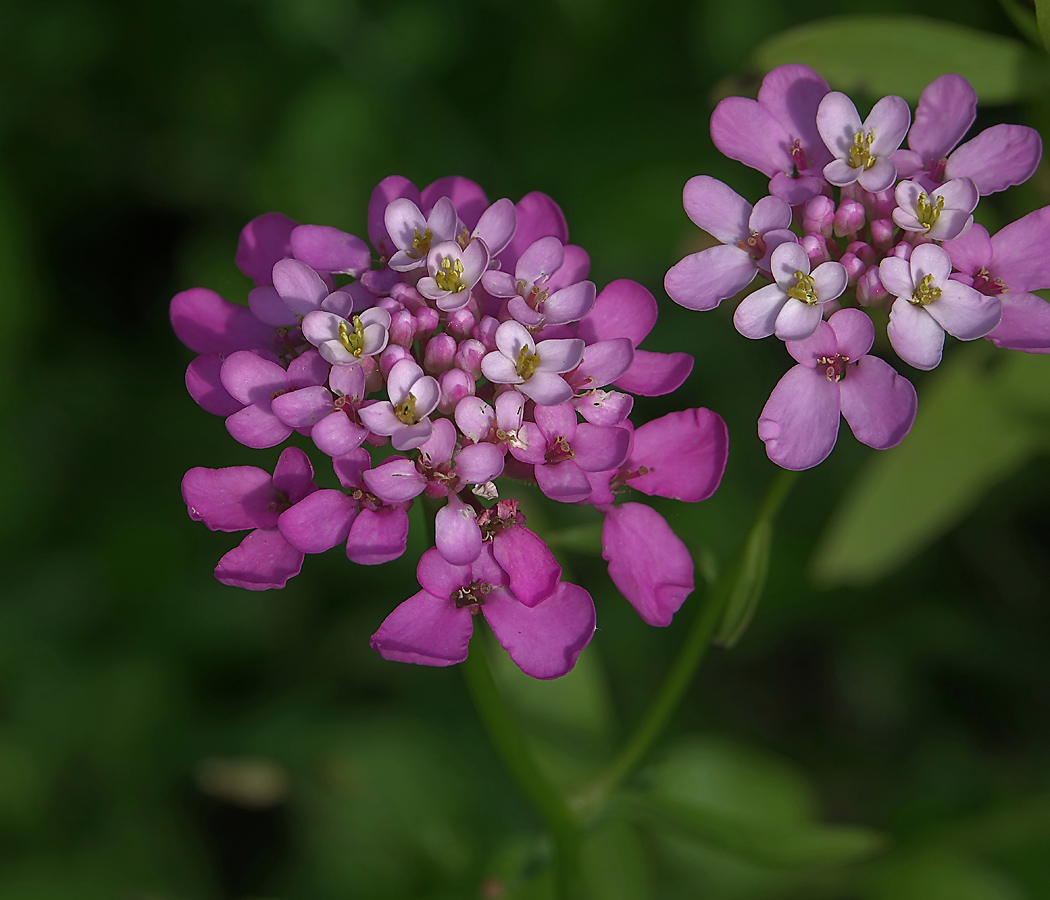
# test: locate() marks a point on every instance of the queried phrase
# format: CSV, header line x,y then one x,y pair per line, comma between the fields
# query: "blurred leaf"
x,y
1023,19
941,876
744,581
579,538
971,432
746,803
1042,17
614,863
879,55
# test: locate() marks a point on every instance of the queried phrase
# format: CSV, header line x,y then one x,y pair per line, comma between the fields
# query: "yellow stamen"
x,y
527,363
354,342
421,243
450,276
928,213
406,410
925,292
860,153
804,289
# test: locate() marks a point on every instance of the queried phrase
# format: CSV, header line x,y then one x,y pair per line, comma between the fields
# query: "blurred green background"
x,y
882,731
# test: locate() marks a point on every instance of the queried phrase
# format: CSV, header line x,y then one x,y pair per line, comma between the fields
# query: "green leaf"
x,y
878,55
614,863
973,429
932,875
1042,18
1023,19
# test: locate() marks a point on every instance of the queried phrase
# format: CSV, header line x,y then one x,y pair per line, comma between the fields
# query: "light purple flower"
x,y
331,415
748,236
862,151
534,369
941,215
344,342
777,134
793,305
800,421
929,303
452,273
413,235
404,417
1009,265
995,159
434,626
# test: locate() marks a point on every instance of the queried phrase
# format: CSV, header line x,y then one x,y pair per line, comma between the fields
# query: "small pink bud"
x,y
818,215
469,355
427,321
882,204
461,323
408,297
870,291
863,251
486,332
849,218
902,250
455,385
389,304
439,353
882,234
402,328
816,248
854,266
393,353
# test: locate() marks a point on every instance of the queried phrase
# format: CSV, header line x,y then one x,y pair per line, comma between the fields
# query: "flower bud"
x,y
870,291
439,353
863,251
816,248
408,297
486,332
427,321
901,251
380,281
402,328
818,215
389,304
882,204
455,384
882,234
849,218
854,267
393,353
469,355
461,323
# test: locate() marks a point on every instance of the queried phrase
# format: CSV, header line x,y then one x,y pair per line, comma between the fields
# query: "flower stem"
x,y
512,746
684,667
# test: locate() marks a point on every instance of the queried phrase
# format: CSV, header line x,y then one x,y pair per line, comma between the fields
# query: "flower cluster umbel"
x,y
853,223
473,346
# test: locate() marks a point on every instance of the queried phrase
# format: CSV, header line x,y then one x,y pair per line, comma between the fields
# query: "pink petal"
x,y
558,356
293,475
478,463
599,448
997,158
793,94
1025,324
746,131
426,630
648,562
800,421
537,216
256,426
623,309
603,362
946,110
819,344
251,379
703,280
395,481
231,499
496,226
336,435
388,190
895,275
544,641
546,389
378,536
878,404
263,241
655,374
797,320
533,571
684,452
267,306
319,521
204,383
264,560
1020,252
440,577
854,333
971,251
965,313
466,195
717,209
570,304
756,316
206,323
456,533
915,336
837,122
303,408
564,482
328,249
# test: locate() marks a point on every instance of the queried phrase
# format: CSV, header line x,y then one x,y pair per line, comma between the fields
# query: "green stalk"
x,y
689,656
512,746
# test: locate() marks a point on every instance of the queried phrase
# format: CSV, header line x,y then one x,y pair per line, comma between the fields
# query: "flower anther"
x,y
860,153
804,290
834,366
925,292
527,363
420,243
928,213
406,410
353,342
450,276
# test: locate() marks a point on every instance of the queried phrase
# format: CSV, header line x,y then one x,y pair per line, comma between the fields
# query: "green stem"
x,y
512,745
684,667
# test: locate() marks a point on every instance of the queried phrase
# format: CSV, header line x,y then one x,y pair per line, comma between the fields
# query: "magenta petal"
x,y
746,131
496,225
915,335
304,407
793,94
293,475
466,195
1020,252
544,641
576,267
328,249
878,404
300,287
440,577
623,309
971,251
997,158
204,383
648,562
206,323
426,630
525,557
655,374
703,280
854,333
231,499
395,481
268,306
684,452
319,521
717,209
1025,324
478,463
597,448
800,421
257,427
335,435
264,560
821,343
252,379
390,188
946,110
377,536
965,313
570,304
456,533
350,467
263,241
603,362
557,421
564,482
537,216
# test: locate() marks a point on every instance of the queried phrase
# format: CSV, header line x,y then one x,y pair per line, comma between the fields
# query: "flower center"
x,y
754,245
559,451
928,213
860,153
450,276
421,243
798,155
354,341
472,595
534,296
527,363
834,366
803,289
925,292
990,287
406,410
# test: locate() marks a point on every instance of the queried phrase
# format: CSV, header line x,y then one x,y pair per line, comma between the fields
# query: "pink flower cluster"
x,y
470,349
854,220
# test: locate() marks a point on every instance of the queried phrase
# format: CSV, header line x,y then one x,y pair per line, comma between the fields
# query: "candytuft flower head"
x,y
862,150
